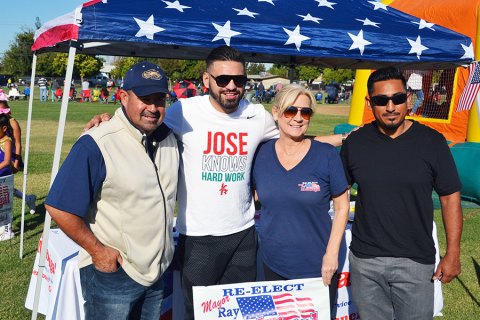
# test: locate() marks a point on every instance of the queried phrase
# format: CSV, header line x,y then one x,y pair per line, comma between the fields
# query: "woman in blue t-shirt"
x,y
295,178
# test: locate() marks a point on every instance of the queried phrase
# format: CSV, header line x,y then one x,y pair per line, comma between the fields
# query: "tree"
x,y
279,70
84,66
122,65
17,60
255,68
45,65
175,69
338,75
307,73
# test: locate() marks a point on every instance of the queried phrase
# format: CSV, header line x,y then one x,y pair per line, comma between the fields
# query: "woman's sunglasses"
x,y
292,111
382,101
223,80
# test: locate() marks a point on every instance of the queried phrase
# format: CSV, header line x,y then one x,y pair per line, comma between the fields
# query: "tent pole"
x,y
27,146
55,167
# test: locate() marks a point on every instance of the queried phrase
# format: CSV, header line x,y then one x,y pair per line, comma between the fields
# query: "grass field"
x,y
461,297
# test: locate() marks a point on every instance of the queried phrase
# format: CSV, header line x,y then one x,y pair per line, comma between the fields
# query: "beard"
x,y
389,126
228,105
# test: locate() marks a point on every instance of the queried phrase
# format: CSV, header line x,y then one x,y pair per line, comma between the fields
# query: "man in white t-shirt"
x,y
217,135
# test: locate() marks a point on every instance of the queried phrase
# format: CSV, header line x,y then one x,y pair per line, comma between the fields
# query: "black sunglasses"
x,y
224,79
381,101
292,111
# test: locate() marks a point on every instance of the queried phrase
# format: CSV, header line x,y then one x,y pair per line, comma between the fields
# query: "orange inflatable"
x,y
462,17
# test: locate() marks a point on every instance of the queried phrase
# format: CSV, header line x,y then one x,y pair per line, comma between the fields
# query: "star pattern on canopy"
x,y
378,5
367,22
424,24
370,30
359,42
147,28
295,37
468,51
325,3
417,46
224,32
269,1
175,5
245,12
309,17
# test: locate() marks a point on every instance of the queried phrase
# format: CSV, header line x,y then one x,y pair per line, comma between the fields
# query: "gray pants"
x,y
385,288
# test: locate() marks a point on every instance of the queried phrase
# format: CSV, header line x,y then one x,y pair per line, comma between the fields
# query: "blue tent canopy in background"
x,y
341,34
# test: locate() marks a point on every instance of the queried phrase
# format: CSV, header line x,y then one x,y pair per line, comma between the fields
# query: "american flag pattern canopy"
x,y
336,33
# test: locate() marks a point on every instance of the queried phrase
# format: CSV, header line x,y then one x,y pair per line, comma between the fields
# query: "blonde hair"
x,y
287,96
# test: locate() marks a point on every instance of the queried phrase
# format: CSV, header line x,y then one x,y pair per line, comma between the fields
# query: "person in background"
x,y
295,178
415,86
115,195
6,150
13,93
3,96
86,96
43,84
104,95
26,91
53,90
397,163
17,163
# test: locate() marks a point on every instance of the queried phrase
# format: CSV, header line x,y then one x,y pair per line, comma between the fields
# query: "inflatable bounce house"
x,y
437,106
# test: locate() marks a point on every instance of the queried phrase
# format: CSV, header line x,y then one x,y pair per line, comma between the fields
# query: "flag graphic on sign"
x,y
4,195
284,305
471,88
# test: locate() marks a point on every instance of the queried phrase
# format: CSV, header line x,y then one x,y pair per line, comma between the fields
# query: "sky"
x,y
19,15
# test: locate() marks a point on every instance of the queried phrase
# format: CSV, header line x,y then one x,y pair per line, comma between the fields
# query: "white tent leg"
x,y
55,167
27,146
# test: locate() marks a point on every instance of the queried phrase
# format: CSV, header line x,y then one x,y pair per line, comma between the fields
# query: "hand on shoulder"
x,y
96,120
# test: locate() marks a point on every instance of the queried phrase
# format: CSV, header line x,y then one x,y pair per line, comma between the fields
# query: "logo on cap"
x,y
152,74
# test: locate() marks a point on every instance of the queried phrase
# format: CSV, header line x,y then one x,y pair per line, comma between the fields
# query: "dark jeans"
x,y
115,296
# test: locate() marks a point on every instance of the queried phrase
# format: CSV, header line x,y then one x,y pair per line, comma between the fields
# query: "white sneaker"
x,y
30,200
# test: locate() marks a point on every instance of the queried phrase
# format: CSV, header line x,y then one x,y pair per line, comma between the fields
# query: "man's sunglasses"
x,y
224,79
292,111
382,100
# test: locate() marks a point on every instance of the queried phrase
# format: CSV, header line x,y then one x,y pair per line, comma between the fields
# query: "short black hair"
x,y
5,103
383,74
224,53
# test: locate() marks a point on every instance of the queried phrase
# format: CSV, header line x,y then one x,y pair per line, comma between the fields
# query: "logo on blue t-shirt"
x,y
309,186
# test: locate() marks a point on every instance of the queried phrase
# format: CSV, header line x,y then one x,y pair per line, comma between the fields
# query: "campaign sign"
x,y
6,199
60,250
266,300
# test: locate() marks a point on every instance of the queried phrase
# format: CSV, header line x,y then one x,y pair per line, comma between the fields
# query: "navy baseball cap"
x,y
145,78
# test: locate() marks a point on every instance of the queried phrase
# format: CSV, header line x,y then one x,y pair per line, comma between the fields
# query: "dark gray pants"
x,y
211,260
384,288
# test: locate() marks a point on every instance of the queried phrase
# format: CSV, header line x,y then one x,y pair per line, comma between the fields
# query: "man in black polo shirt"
x,y
396,164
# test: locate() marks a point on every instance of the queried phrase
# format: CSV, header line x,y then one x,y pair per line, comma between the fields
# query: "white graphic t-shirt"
x,y
217,150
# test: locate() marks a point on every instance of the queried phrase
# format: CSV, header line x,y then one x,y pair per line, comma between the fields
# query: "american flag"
x,y
471,88
285,306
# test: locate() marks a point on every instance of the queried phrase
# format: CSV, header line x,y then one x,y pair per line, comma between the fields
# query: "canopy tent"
x,y
346,34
